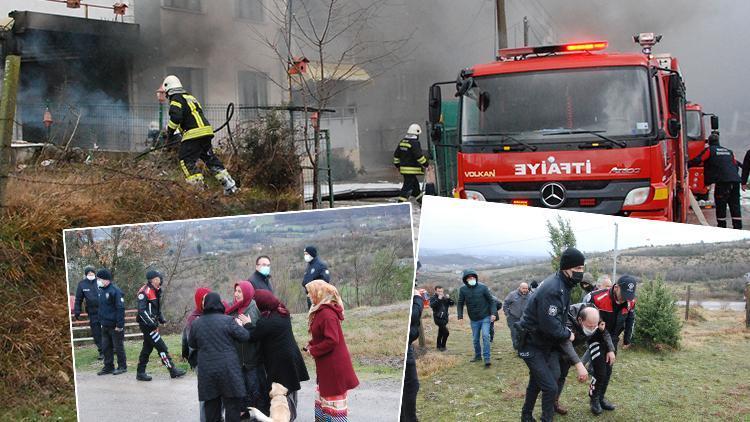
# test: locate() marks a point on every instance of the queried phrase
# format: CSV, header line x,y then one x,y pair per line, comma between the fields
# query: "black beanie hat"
x,y
89,269
311,251
152,274
571,258
104,274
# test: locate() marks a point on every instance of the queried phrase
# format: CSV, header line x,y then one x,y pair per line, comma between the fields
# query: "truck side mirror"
x,y
674,126
435,104
714,122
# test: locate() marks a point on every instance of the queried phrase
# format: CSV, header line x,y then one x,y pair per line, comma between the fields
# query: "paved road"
x,y
121,397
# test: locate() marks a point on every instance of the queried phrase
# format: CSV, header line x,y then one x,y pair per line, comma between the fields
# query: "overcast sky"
x,y
482,228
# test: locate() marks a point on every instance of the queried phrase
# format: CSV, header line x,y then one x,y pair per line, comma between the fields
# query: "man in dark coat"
x,y
513,307
543,328
88,292
481,308
440,302
316,269
411,379
112,318
721,168
261,278
220,379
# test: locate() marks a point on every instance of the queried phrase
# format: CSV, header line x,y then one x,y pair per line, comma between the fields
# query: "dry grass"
x,y
34,325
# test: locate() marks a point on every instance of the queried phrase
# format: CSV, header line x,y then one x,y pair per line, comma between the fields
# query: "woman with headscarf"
x,y
333,364
280,354
249,351
220,381
189,354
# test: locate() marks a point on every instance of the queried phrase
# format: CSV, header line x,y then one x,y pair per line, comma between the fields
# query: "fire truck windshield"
x,y
556,106
694,129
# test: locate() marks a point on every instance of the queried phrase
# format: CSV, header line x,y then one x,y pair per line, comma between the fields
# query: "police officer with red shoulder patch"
x,y
149,318
616,307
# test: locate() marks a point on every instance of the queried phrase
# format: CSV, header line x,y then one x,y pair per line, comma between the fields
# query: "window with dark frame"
x,y
194,5
250,9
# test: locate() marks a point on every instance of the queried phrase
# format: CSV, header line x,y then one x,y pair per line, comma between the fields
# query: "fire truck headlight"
x,y
474,195
637,196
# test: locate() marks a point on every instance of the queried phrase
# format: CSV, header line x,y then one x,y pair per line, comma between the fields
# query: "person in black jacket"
x,y
112,318
279,351
543,328
88,292
440,302
149,318
186,114
745,170
316,269
189,354
220,380
411,379
497,305
261,278
410,162
721,168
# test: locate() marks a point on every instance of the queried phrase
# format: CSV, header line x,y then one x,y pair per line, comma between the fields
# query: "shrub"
x,y
342,168
658,323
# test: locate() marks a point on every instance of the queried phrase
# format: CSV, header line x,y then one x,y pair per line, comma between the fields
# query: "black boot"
x,y
596,407
605,404
174,371
105,371
527,418
101,356
142,376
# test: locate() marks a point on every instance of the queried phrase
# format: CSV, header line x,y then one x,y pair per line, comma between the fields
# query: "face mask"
x,y
90,277
308,258
577,276
99,282
588,332
472,281
265,270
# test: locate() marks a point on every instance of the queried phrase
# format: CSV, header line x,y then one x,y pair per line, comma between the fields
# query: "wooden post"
x,y
687,305
7,117
747,305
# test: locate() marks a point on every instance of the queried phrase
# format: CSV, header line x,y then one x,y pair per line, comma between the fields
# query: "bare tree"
x,y
346,48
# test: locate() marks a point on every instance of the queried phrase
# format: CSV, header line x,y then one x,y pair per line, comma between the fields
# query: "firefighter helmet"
x,y
414,129
170,83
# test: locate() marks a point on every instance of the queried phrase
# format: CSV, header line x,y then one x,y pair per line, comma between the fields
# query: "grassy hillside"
x,y
706,380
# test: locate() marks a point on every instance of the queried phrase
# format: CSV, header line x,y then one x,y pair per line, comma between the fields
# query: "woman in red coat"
x,y
333,364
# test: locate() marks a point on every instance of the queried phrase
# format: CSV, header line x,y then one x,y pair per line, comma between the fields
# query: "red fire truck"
x,y
697,136
571,126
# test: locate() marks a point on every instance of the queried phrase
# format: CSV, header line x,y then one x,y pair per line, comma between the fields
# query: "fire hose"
x,y
229,116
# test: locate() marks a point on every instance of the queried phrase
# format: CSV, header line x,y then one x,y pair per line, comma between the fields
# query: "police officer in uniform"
x,y
543,328
87,291
112,318
316,269
722,169
410,162
186,114
149,318
616,307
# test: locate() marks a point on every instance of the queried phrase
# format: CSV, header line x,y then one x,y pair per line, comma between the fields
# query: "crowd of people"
x,y
244,352
548,332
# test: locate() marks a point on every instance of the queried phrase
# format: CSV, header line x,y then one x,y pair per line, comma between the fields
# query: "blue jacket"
x,y
89,292
545,315
111,307
316,270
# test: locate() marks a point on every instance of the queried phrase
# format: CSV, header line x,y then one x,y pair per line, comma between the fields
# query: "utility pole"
x,y
525,31
502,27
614,258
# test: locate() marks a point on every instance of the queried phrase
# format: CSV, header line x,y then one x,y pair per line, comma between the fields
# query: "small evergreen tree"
x,y
561,237
658,323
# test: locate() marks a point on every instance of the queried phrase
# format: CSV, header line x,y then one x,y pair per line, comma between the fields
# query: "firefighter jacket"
x,y
719,165
408,156
149,307
186,115
546,314
617,317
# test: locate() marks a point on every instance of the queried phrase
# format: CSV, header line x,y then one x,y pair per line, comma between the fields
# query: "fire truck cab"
x,y
571,126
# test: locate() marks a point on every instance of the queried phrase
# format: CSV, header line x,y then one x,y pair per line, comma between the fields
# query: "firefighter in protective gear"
x,y
149,318
186,115
411,162
722,169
